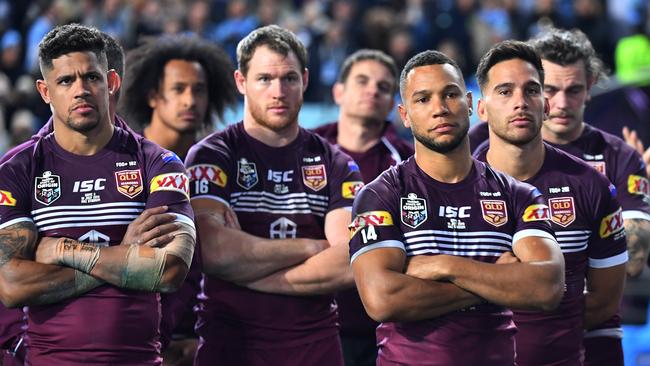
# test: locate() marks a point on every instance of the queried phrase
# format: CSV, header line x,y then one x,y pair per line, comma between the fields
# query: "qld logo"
x,y
494,212
563,210
246,174
47,188
314,176
129,182
413,210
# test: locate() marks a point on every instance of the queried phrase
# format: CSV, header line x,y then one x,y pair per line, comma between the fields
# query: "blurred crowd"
x,y
331,29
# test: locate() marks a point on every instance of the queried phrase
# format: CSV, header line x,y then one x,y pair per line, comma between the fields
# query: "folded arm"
x,y
534,282
323,273
603,296
390,295
236,256
25,282
154,254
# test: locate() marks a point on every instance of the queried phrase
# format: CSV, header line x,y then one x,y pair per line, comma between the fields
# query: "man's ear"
x,y
337,92
114,81
240,80
481,109
404,115
43,90
305,79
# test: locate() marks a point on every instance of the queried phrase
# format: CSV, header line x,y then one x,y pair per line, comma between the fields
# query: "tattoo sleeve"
x,y
24,281
638,243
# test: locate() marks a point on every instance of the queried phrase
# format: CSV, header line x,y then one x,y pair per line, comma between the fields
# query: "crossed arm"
x,y
23,281
157,265
533,281
637,232
284,266
388,294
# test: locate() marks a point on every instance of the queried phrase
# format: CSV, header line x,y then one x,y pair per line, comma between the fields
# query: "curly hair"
x,y
69,38
504,51
145,69
565,47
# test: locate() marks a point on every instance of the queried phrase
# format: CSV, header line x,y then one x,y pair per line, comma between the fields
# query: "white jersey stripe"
x,y
457,233
86,207
89,213
608,262
282,212
82,224
378,245
14,221
93,218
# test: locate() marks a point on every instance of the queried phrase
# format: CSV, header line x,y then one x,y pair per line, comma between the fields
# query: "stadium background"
x,y
331,30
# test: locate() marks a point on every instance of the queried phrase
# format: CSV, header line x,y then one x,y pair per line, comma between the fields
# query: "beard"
x,y
85,126
442,147
274,123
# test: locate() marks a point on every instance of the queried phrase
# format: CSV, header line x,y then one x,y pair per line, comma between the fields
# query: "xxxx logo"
x,y
350,189
375,218
611,224
175,182
638,185
7,199
536,212
211,173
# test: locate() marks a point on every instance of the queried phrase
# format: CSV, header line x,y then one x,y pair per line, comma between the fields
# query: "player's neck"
x,y
357,135
271,137
169,138
83,143
450,167
519,161
562,138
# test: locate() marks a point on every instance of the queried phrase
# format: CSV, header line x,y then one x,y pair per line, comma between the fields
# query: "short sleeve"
x,y
210,171
375,223
346,180
607,245
532,215
168,183
15,198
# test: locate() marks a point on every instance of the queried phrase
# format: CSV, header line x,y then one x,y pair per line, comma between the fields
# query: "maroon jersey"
x,y
624,168
276,192
588,225
478,218
478,134
390,150
93,199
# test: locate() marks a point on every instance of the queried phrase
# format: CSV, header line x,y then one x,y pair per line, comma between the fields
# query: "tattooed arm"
x,y
25,282
638,245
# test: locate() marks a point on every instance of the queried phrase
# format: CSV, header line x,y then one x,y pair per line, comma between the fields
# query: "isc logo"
x,y
279,177
89,185
453,212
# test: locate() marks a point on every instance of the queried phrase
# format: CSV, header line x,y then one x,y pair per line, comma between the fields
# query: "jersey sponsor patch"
x,y
536,212
47,188
376,218
563,210
246,174
129,182
208,172
413,210
314,176
598,165
611,224
168,156
350,189
174,182
638,185
7,199
494,212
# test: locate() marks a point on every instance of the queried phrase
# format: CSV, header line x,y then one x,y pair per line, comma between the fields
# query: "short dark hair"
x,y
70,38
565,47
276,38
363,55
504,51
425,58
114,58
145,69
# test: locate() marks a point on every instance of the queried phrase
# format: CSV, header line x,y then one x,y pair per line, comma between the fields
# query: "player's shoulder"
x,y
608,141
329,131
577,171
223,141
